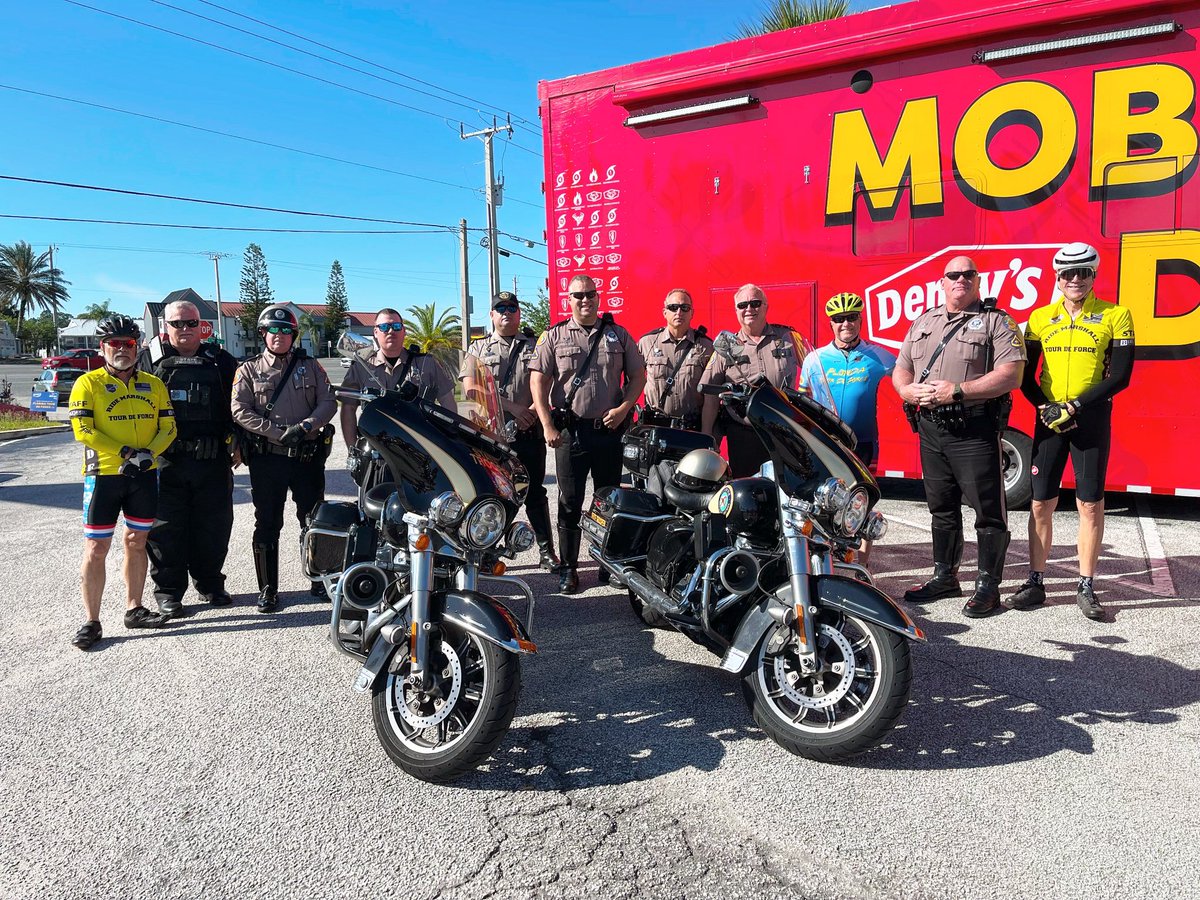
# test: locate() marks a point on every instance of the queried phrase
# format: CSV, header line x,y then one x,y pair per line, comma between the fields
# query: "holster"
x,y
999,408
912,413
563,419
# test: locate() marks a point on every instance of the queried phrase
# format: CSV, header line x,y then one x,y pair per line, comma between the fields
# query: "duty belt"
x,y
952,410
210,447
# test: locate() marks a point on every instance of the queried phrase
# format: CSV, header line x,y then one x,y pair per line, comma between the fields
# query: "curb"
x,y
34,432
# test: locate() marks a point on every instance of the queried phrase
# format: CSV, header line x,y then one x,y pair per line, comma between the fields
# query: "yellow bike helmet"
x,y
841,304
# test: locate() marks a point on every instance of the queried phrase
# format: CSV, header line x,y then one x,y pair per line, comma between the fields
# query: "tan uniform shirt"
x,y
774,355
966,355
430,379
662,353
307,397
561,351
509,361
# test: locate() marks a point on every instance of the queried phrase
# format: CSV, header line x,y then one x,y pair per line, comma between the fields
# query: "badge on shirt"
x,y
111,388
976,324
1094,318
611,337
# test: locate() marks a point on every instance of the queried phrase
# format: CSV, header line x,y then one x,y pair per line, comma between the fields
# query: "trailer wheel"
x,y
1016,449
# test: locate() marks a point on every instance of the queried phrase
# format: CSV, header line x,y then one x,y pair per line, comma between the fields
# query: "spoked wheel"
x,y
845,707
440,734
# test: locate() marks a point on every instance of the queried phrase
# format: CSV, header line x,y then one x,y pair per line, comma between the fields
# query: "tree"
x,y
97,311
41,332
255,291
778,15
536,315
439,336
28,281
314,329
336,302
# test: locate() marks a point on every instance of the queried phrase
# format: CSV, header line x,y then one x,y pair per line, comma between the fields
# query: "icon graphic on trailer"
x,y
558,182
562,220
563,261
612,237
599,283
613,257
594,177
564,281
579,240
578,217
562,241
595,239
561,201
596,259
612,194
612,216
594,196
577,199
595,219
615,302
616,279
575,176
611,173
579,260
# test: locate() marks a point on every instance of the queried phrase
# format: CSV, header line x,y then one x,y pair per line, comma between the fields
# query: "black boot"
x,y
266,567
568,572
947,553
318,590
546,555
993,545
539,521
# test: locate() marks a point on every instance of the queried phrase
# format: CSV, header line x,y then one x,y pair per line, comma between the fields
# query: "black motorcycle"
x,y
403,568
747,568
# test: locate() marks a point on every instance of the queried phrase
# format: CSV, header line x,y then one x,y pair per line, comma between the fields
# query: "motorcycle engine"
x,y
671,558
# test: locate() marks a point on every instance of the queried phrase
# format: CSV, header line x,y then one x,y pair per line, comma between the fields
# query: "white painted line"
x,y
1187,492
1160,571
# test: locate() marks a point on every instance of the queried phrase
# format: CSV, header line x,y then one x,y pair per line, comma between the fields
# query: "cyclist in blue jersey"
x,y
853,368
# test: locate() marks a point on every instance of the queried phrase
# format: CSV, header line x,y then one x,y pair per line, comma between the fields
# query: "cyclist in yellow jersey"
x,y
123,418
1087,348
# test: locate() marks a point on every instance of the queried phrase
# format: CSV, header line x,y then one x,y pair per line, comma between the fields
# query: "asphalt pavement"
x,y
1041,754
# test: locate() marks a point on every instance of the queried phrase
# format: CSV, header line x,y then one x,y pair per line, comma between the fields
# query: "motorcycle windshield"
x,y
806,376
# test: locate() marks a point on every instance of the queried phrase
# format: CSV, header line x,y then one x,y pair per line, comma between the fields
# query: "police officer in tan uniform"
x,y
508,353
956,368
586,431
393,365
766,349
287,440
675,355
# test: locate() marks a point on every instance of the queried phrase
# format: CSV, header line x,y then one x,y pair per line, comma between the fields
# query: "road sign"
x,y
44,401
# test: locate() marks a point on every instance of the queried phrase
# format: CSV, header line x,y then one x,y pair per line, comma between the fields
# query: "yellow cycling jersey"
x,y
108,414
1076,351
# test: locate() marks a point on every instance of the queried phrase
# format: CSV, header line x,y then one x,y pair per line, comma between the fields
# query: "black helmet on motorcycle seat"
x,y
700,470
118,327
277,314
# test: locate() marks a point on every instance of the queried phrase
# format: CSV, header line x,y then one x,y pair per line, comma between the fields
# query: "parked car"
x,y
61,380
75,359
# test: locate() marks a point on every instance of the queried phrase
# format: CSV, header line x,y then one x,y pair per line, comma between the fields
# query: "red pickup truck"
x,y
75,359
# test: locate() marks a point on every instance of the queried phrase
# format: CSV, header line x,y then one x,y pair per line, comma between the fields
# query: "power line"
x,y
438,230
250,140
266,62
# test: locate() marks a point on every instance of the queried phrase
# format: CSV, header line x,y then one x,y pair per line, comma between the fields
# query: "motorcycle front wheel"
x,y
443,734
856,696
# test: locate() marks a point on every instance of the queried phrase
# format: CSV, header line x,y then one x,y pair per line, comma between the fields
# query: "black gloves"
x,y
294,435
140,461
1056,416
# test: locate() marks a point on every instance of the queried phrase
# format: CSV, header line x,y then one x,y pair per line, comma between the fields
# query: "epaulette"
x,y
560,324
528,332
652,331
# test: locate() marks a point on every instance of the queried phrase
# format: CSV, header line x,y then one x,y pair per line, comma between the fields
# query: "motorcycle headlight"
x,y
855,512
877,526
446,509
484,524
520,537
832,495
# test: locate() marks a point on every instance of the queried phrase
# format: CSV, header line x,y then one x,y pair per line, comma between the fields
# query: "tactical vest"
x,y
194,385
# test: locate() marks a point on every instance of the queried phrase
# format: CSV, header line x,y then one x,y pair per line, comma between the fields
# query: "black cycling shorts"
x,y
868,452
107,496
1087,444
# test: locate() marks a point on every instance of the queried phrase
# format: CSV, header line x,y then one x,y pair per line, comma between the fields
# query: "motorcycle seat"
x,y
377,497
685,500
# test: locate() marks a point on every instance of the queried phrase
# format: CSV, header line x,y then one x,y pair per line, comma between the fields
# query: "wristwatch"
x,y
306,425
958,393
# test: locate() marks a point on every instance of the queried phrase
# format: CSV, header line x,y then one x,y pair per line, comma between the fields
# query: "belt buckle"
x,y
598,423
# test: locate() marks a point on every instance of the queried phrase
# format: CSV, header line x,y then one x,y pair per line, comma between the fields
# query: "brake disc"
x,y
410,702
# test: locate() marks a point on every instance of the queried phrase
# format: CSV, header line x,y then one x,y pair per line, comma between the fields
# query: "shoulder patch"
x,y
542,338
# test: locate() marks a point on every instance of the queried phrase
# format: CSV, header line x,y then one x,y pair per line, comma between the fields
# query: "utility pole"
x,y
216,258
466,285
57,336
494,196
515,285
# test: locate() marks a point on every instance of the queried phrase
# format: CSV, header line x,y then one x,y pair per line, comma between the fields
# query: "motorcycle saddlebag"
x,y
330,530
617,521
644,446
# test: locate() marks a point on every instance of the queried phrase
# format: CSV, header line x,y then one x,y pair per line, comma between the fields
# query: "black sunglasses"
x,y
1083,273
506,308
280,329
678,307
965,273
583,295
185,323
848,317
385,327
752,304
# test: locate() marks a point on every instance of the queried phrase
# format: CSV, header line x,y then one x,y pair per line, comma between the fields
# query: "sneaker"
x,y
140,617
1027,596
1086,598
88,635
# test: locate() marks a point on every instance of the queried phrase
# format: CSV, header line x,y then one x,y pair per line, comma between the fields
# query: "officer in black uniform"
x,y
283,400
195,483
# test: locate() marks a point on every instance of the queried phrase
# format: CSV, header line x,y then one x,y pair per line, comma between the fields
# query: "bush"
x,y
13,416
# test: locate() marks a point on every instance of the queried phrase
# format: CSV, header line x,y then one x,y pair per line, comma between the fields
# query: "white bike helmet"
x,y
1076,256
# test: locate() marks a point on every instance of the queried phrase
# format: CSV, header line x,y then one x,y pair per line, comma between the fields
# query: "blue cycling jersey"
x,y
853,377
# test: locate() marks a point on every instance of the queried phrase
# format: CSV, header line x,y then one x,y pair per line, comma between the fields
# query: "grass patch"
x,y
13,417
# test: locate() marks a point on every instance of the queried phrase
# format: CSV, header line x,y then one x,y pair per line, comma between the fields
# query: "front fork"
x,y
802,564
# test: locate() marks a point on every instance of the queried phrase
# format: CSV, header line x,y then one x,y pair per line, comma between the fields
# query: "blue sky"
x,y
494,53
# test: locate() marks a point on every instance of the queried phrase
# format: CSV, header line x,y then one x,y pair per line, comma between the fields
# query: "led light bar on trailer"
x,y
1073,43
696,109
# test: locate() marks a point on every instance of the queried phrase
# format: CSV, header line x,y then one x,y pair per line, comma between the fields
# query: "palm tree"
x,y
781,14
29,281
439,336
97,311
313,327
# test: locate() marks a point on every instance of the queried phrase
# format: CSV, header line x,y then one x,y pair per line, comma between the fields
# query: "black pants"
x,y
191,532
271,477
746,451
1087,444
531,451
594,450
961,464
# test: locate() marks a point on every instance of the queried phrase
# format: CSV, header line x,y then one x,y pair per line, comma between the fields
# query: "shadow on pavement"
x,y
295,611
59,496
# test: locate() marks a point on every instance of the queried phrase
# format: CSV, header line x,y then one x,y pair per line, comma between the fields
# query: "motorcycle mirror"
x,y
359,349
726,345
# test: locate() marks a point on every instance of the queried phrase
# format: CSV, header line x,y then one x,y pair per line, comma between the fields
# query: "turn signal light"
x,y
423,542
807,528
849,556
499,568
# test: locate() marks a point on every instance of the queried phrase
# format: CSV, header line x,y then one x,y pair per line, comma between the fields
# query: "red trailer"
x,y
862,154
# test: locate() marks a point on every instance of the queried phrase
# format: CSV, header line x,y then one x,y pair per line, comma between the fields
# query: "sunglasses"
x,y
120,343
1082,274
385,327
185,323
678,307
848,317
749,304
506,309
583,295
280,329
965,273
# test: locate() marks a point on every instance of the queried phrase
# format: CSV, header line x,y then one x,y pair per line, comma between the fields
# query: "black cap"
x,y
504,297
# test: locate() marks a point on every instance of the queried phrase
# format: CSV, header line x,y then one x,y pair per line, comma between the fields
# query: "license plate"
x,y
599,520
